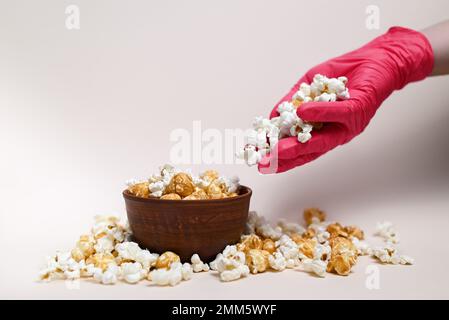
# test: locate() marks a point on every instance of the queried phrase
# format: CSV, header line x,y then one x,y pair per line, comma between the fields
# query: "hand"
x,y
385,64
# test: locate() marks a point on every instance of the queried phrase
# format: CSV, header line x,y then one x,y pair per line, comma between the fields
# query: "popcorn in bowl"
x,y
318,247
173,184
266,133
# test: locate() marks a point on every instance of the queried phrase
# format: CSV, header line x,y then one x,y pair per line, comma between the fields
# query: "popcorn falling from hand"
x,y
266,133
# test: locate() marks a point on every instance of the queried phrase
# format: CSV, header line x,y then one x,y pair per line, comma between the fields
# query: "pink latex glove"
x,y
375,70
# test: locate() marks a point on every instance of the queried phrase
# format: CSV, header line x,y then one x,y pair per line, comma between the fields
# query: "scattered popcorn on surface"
x,y
173,184
266,133
166,259
317,247
198,265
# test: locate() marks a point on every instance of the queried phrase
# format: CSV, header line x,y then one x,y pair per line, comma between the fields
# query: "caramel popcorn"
x,y
269,246
257,260
181,184
171,196
343,256
166,259
307,247
214,191
140,189
356,232
108,257
249,242
100,260
198,194
84,248
336,230
210,175
313,213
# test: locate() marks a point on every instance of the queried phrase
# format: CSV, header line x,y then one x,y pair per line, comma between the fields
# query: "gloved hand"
x,y
375,70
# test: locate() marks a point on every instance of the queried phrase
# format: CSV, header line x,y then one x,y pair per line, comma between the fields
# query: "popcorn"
x,y
181,184
257,260
277,261
363,249
343,256
386,231
269,246
166,259
307,247
290,227
101,260
140,189
317,267
107,256
231,264
287,247
389,255
172,276
132,272
172,184
265,134
108,276
249,242
171,196
198,265
311,213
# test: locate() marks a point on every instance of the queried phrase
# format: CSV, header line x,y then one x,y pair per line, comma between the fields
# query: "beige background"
x,y
82,111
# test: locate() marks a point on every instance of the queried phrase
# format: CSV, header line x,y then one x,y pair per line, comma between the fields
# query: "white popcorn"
x,y
305,89
264,229
198,265
234,274
317,267
322,252
267,133
231,264
277,261
157,188
109,276
326,97
389,254
287,247
322,237
250,154
290,227
363,249
104,245
171,276
213,264
303,137
293,263
386,231
132,272
286,107
186,271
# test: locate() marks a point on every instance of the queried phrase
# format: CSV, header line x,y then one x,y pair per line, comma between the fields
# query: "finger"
x,y
337,111
285,165
322,140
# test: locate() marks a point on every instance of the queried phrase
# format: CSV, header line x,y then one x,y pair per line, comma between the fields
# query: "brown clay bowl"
x,y
188,226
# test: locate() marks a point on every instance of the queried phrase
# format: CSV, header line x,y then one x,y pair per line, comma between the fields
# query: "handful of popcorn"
x,y
173,184
107,255
267,132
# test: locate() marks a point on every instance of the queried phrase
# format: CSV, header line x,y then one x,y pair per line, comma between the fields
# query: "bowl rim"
x,y
130,196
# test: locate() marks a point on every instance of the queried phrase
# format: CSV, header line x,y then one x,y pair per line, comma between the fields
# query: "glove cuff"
x,y
412,54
